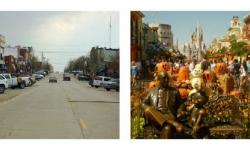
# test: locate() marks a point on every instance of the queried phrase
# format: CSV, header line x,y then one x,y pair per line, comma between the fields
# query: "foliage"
x,y
80,63
238,48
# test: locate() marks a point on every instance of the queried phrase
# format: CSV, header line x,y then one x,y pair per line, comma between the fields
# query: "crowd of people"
x,y
177,89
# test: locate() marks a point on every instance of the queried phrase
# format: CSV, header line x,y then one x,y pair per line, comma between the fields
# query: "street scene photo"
x,y
59,75
190,75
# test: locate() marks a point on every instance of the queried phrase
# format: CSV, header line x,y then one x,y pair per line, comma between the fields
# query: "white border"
x,y
124,6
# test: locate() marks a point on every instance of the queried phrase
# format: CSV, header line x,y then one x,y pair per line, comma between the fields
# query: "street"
x,y
62,110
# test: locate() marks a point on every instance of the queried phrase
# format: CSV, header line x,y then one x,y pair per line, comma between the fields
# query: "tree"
x,y
238,48
78,64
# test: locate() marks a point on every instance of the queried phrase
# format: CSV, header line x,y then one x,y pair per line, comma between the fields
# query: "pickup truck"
x,y
14,81
3,84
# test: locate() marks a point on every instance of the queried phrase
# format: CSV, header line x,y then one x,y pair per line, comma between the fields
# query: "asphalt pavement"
x,y
63,110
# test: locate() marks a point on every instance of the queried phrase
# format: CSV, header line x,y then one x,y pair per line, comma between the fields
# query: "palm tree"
x,y
238,48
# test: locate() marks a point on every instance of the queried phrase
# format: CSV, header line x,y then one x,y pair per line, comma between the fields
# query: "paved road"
x,y
63,110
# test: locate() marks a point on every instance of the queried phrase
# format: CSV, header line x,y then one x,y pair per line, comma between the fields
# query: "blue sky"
x,y
213,23
61,35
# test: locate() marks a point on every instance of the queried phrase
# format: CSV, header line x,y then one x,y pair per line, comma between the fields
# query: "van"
x,y
100,80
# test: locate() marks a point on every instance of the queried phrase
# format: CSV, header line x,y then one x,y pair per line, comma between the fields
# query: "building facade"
x,y
137,37
104,61
10,62
2,45
246,28
165,35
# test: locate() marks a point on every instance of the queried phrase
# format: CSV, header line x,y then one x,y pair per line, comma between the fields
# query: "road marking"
x,y
82,124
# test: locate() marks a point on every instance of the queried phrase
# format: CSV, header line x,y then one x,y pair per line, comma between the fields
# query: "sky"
x,y
61,36
214,23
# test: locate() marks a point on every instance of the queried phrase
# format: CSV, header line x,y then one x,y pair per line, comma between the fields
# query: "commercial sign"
x,y
109,54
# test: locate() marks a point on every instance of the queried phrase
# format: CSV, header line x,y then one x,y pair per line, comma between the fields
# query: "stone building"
x,y
165,35
137,36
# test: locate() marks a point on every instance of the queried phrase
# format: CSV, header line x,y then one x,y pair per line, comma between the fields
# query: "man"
x,y
161,106
236,71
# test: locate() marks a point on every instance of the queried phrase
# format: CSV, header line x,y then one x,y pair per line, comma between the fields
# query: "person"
x,y
183,74
133,73
248,67
205,64
192,65
236,71
213,64
230,67
161,106
220,68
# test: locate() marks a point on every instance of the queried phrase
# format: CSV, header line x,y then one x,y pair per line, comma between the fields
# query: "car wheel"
x,y
2,89
117,90
107,89
92,85
96,86
22,85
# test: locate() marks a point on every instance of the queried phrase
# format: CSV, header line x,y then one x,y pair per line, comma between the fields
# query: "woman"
x,y
133,72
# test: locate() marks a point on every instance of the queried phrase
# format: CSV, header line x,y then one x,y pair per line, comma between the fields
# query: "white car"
x,y
14,82
3,84
99,81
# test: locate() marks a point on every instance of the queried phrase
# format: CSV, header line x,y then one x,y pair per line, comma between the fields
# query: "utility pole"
x,y
110,33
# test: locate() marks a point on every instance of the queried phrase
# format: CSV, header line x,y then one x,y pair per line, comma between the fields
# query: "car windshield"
x,y
1,77
7,76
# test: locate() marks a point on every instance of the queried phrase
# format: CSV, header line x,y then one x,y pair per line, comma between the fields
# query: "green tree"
x,y
238,48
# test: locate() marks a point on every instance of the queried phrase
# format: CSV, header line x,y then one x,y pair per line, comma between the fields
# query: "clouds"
x,y
83,28
60,32
57,29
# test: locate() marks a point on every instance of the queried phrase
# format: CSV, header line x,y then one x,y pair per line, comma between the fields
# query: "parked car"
x,y
83,77
52,79
3,84
111,84
14,81
66,77
100,80
26,78
32,80
38,76
41,72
